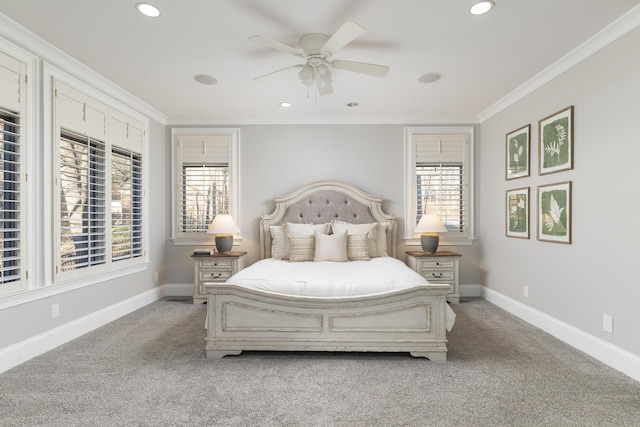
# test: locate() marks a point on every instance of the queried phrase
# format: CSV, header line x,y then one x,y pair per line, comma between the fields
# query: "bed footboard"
x,y
412,320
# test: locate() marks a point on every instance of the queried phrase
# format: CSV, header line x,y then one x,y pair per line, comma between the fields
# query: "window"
x,y
439,180
126,205
205,179
13,176
83,226
99,221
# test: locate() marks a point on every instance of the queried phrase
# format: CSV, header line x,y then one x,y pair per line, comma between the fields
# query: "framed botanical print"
x,y
555,142
517,214
554,212
517,152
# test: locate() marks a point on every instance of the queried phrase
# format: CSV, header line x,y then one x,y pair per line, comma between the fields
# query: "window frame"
x,y
183,238
410,197
28,199
112,112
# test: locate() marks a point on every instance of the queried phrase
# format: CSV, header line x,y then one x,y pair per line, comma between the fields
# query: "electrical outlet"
x,y
156,276
607,323
526,291
55,310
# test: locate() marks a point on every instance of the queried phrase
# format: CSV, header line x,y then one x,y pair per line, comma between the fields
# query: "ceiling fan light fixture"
x,y
148,10
307,75
481,7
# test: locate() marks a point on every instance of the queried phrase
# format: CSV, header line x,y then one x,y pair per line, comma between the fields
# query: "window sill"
x,y
207,241
443,242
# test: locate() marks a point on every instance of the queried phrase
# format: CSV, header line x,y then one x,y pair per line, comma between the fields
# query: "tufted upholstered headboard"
x,y
324,201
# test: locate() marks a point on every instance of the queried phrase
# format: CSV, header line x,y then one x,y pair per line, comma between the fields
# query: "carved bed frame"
x,y
412,320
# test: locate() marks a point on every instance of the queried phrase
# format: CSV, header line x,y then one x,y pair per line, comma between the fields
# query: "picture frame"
x,y
555,142
517,152
517,213
554,212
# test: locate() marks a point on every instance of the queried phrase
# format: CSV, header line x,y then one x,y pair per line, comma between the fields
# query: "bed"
x,y
369,301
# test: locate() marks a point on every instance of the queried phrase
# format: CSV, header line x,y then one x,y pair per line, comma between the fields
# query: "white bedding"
x,y
331,279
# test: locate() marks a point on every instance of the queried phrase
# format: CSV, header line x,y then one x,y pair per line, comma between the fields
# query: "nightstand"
x,y
438,267
214,268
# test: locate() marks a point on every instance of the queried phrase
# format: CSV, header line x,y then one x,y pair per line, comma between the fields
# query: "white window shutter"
x,y
80,113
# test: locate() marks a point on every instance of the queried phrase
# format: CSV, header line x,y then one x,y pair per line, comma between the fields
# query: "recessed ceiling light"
x,y
285,104
205,79
352,104
429,77
481,7
148,10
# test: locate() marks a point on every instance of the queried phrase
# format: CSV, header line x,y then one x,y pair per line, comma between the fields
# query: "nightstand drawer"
x,y
213,275
437,263
210,264
438,275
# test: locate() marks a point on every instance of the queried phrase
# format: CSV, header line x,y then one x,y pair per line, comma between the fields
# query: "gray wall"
x,y
30,319
277,159
596,274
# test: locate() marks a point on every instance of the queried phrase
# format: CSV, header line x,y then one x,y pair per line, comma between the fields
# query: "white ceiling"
x,y
482,59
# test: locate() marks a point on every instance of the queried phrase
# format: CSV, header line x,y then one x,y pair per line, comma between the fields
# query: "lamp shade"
x,y
223,226
430,225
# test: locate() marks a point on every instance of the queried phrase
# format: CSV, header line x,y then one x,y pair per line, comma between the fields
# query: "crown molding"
x,y
46,52
618,28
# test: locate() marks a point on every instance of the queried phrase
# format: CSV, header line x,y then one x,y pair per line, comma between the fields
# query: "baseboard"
x,y
21,352
609,354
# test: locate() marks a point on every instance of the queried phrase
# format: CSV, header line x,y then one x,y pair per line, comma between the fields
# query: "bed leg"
x,y
434,356
219,354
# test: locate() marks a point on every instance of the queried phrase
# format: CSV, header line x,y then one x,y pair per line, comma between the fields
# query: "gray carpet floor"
x,y
149,369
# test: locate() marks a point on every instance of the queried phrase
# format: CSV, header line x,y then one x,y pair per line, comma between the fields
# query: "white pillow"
x,y
301,248
278,246
293,229
331,247
371,230
358,247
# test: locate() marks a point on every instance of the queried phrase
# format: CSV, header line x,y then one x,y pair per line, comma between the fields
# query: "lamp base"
x,y
224,243
429,242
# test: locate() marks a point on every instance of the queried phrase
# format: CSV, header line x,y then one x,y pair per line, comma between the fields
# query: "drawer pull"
x,y
437,263
436,275
216,275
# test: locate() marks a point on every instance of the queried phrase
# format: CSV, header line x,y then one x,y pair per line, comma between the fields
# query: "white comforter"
x,y
332,279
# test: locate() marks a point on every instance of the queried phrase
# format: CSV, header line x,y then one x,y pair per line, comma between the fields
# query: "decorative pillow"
x,y
278,246
331,247
301,248
381,240
358,247
292,229
369,229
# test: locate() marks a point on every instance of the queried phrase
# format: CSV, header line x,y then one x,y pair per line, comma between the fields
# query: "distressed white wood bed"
x,y
410,320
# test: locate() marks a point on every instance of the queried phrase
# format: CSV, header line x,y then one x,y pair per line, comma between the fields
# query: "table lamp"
x,y
430,225
224,227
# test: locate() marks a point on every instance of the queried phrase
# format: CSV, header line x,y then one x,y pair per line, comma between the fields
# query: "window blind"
x,y
12,193
82,202
126,205
204,181
442,179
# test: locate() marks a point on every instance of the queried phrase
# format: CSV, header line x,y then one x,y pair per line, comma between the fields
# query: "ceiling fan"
x,y
316,51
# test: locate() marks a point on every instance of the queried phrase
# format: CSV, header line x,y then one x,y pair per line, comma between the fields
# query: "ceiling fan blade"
x,y
345,35
326,89
276,45
277,71
361,67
